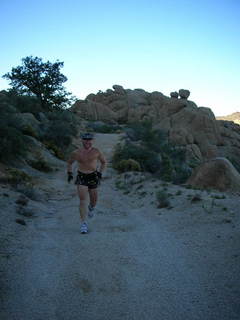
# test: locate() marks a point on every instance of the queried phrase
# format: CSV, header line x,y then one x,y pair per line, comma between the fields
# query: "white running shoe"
x,y
84,228
90,211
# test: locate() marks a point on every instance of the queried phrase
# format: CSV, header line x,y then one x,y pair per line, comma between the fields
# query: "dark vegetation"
x,y
42,80
152,151
54,129
35,108
102,127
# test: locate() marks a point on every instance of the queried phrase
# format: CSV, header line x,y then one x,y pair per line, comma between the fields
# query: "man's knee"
x,y
83,202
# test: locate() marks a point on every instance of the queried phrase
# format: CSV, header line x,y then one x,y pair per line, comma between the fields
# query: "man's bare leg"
x,y
93,201
93,196
83,194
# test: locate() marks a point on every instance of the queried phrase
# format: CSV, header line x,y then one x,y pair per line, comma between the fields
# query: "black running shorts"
x,y
91,180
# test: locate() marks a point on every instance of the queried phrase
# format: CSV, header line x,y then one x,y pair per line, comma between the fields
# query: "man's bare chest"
x,y
87,157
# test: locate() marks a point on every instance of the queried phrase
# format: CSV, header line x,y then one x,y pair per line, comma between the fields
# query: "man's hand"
x,y
70,176
99,174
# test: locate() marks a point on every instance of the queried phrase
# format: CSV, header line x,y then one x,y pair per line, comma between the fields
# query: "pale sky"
x,y
153,45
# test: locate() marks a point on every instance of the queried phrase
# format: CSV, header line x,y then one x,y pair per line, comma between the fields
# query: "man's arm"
x,y
103,161
70,161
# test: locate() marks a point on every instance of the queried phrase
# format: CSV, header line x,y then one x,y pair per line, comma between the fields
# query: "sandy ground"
x,y
137,262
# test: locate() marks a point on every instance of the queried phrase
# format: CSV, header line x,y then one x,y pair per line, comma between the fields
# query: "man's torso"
x,y
87,160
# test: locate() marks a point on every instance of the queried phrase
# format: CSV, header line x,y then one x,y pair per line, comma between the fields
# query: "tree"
x,y
43,80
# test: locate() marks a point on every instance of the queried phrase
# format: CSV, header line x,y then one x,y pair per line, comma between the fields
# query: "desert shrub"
x,y
22,103
121,185
147,159
166,171
60,133
128,165
156,146
50,145
151,138
162,199
154,152
40,164
63,115
12,143
28,130
16,176
107,128
29,190
181,174
101,127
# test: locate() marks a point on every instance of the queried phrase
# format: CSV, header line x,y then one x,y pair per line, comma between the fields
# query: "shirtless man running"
x,y
88,177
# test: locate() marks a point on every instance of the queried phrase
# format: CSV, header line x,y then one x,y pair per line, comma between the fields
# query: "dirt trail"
x,y
130,265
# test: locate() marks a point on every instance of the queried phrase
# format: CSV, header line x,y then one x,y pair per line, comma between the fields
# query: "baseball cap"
x,y
87,136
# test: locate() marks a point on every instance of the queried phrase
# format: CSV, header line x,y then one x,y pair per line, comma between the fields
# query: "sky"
x,y
154,45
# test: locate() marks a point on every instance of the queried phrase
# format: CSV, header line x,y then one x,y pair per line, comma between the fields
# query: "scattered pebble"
x,y
20,221
22,200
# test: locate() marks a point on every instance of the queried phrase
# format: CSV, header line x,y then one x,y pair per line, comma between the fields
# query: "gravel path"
x,y
131,265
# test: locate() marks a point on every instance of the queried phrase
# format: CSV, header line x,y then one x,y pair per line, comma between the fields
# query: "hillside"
x,y
235,117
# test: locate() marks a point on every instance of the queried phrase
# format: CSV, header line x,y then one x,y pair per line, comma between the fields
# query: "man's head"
x,y
87,140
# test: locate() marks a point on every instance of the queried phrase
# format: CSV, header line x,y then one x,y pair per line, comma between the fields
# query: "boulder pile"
x,y
186,124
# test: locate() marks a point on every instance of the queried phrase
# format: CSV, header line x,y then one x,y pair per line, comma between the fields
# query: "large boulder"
x,y
217,173
91,110
184,94
174,94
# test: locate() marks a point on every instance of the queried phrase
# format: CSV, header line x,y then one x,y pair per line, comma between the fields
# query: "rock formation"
x,y
188,125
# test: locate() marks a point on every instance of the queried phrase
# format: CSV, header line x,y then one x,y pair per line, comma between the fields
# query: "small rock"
x,y
26,212
226,220
22,200
196,198
20,221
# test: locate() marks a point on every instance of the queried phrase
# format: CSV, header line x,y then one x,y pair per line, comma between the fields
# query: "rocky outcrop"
x,y
90,109
218,173
186,124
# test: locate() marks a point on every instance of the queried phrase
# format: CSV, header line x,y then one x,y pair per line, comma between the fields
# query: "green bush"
x,y
106,128
128,165
12,143
23,103
147,159
40,164
28,130
151,138
181,174
153,152
50,145
166,170
16,176
162,198
60,133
